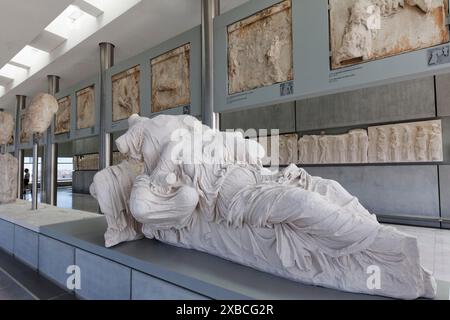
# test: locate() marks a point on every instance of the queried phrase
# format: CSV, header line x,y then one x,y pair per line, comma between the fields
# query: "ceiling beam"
x,y
5,81
19,65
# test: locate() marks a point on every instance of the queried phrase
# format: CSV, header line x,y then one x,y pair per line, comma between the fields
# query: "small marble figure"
x,y
435,143
421,144
382,145
353,147
394,145
407,146
342,149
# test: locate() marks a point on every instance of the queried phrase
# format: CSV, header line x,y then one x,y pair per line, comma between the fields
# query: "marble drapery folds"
x,y
214,196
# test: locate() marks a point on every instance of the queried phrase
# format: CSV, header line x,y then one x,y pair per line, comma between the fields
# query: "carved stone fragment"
x,y
334,149
39,114
171,79
125,95
6,128
260,49
62,120
363,30
86,108
8,173
407,142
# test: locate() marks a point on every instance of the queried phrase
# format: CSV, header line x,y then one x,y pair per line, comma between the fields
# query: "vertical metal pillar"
x,y
21,103
3,147
34,188
49,176
210,9
106,62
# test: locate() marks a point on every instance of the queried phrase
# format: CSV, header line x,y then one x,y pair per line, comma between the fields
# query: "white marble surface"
x,y
20,213
434,248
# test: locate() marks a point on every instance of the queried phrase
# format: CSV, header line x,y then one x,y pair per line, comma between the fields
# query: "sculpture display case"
x,y
86,108
364,30
62,119
260,49
125,94
170,79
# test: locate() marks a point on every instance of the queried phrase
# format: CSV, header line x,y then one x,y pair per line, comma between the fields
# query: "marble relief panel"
x,y
171,79
406,142
125,95
260,49
86,108
364,30
334,149
62,120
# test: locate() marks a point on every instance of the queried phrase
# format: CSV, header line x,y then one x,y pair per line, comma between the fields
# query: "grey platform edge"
x,y
174,272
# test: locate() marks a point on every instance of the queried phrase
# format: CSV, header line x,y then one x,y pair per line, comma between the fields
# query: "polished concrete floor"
x,y
434,248
68,200
19,282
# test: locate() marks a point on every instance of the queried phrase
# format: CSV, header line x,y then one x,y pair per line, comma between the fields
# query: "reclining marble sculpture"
x,y
290,224
8,164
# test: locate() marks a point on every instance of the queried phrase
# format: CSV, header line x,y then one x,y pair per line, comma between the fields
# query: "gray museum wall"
x,y
416,194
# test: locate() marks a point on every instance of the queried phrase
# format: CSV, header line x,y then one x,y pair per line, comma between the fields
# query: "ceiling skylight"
x,y
69,20
29,56
12,72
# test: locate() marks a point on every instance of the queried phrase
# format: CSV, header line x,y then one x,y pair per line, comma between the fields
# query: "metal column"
x,y
210,9
49,176
21,102
106,62
34,188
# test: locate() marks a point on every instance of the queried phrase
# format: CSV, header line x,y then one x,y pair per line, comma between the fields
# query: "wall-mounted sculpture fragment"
x,y
406,142
260,49
334,149
86,108
8,164
87,162
6,128
171,79
288,146
125,94
62,119
364,30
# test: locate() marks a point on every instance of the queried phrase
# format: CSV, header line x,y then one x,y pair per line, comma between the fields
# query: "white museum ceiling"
x,y
70,51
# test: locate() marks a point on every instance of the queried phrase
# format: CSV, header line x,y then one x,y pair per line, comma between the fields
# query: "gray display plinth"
x,y
144,269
